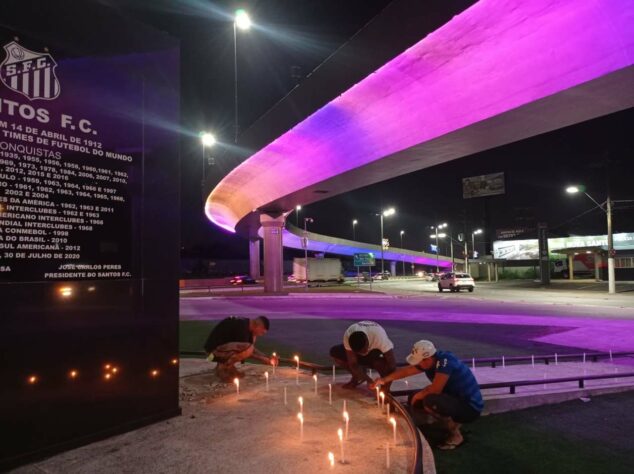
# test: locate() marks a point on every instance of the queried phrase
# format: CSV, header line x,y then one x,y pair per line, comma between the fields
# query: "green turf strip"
x,y
572,437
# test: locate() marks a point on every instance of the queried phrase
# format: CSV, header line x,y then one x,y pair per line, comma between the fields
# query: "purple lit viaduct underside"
x,y
499,72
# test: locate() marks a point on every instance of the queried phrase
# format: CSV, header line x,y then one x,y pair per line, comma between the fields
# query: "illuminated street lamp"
x,y
297,209
403,257
306,221
354,224
207,140
436,236
241,21
386,213
608,211
473,234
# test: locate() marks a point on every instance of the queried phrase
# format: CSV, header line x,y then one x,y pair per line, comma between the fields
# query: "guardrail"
x,y
416,466
594,356
512,385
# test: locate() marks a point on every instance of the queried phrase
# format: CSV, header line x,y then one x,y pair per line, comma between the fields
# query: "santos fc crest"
x,y
29,73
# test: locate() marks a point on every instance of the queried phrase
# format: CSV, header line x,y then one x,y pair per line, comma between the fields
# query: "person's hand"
x,y
376,383
418,397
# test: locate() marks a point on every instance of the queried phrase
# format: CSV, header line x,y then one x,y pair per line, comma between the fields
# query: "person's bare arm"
x,y
396,375
437,386
353,365
259,355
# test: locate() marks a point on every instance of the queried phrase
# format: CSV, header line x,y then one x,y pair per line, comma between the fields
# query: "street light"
x,y
207,140
354,224
436,235
305,243
402,257
297,209
608,211
386,213
241,21
473,234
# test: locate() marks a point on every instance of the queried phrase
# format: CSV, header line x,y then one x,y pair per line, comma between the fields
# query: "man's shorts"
x,y
447,405
223,353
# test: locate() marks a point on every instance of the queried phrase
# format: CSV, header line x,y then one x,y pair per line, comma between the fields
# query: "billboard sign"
x,y
483,185
364,260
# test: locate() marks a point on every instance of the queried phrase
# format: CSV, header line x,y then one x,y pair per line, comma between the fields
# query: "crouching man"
x,y
365,345
453,397
232,340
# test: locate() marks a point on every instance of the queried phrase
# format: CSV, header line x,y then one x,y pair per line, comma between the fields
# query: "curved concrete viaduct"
x,y
498,72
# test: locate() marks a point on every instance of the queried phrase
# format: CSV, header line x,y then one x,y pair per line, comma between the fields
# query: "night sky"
x,y
304,33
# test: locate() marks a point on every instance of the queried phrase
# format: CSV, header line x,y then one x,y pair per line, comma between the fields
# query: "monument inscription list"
x,y
64,195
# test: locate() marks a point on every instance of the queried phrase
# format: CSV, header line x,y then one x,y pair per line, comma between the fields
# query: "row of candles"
x,y
342,434
109,372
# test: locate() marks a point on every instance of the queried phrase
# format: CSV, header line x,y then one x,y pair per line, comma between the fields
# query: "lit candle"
x,y
237,382
273,362
300,400
329,394
315,380
296,358
266,377
393,423
331,460
285,399
333,374
388,412
378,400
73,374
32,379
346,418
300,417
387,455
343,456
382,395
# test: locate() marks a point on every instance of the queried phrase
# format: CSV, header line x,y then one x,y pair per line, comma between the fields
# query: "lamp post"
x,y
297,209
242,21
436,235
354,224
305,244
608,212
207,140
402,257
473,234
388,212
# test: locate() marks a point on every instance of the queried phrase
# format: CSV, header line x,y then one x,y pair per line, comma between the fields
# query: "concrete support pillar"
x,y
495,266
489,271
393,267
571,267
272,227
597,266
254,258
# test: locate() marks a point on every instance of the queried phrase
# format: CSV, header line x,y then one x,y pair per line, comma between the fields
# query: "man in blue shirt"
x,y
454,394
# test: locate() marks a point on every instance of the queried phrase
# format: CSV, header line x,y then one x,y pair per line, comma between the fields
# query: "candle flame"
x,y
115,370
393,421
296,358
300,417
346,416
266,374
32,379
301,401
174,361
154,373
72,374
107,376
340,434
236,381
315,377
331,459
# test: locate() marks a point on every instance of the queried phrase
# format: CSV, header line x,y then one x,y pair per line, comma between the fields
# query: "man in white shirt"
x,y
365,345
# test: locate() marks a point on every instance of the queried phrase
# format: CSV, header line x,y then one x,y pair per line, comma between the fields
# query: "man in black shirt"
x,y
232,340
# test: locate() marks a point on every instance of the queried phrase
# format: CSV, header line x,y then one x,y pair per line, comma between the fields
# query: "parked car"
x,y
242,280
385,275
455,282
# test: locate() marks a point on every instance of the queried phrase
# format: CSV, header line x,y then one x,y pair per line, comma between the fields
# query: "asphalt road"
x,y
491,321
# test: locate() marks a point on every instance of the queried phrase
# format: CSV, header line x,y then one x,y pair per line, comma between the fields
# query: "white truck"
x,y
319,270
583,265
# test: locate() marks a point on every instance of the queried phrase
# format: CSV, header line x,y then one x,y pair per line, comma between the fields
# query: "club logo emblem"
x,y
29,73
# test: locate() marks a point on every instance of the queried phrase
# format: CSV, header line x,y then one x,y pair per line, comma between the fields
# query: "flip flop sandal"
x,y
450,446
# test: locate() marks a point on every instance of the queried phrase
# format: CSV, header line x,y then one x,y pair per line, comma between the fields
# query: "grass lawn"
x,y
572,437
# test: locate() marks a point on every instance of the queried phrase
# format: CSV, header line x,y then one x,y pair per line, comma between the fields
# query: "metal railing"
x,y
593,356
512,385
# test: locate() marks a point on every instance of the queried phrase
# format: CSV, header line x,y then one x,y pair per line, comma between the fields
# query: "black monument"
x,y
89,225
